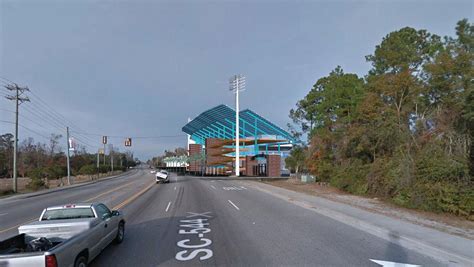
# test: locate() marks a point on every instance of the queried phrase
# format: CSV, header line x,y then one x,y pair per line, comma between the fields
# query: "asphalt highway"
x,y
193,222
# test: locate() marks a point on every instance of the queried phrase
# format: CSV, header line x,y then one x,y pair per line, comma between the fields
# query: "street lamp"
x,y
237,83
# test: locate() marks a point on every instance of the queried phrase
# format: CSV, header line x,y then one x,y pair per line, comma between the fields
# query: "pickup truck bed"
x,y
70,235
18,244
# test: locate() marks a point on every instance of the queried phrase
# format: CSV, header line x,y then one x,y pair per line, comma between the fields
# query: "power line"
x,y
135,137
28,119
82,141
49,111
51,120
57,113
33,131
26,128
3,78
7,110
44,112
7,121
44,118
56,117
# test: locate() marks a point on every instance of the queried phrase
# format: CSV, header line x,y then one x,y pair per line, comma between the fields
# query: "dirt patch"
x,y
445,222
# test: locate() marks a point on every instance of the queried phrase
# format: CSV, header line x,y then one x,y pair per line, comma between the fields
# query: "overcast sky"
x,y
141,68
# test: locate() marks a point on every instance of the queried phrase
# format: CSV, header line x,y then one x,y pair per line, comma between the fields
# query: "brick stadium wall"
x,y
273,166
195,149
249,164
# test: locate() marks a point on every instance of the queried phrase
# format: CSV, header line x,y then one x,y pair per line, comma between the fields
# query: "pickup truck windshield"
x,y
70,213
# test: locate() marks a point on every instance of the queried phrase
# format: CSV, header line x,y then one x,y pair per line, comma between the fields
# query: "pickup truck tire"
x,y
120,233
81,261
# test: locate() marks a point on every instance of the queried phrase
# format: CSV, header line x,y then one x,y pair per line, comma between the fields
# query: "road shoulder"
x,y
446,247
66,187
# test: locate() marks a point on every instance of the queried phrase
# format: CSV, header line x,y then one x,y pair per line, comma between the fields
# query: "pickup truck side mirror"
x,y
115,213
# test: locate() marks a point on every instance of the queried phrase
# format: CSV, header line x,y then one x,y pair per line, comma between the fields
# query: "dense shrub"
x,y
55,172
351,177
36,176
104,168
88,169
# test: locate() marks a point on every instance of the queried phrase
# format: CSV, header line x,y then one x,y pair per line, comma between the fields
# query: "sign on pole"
x,y
104,140
72,144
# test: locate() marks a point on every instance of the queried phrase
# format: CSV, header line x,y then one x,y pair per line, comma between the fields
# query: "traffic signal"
x,y
104,140
128,142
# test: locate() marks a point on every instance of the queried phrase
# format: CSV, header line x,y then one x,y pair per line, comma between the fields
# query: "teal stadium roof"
x,y
219,122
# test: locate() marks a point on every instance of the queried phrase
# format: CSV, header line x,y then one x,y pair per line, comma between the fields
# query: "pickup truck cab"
x,y
69,235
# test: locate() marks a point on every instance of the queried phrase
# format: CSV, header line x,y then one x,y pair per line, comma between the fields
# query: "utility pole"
x,y
111,157
98,159
68,157
237,83
17,97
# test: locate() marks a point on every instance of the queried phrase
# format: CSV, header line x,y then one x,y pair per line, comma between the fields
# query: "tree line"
x,y
40,161
404,131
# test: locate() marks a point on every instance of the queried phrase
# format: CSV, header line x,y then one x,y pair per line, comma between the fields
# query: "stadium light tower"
x,y
237,83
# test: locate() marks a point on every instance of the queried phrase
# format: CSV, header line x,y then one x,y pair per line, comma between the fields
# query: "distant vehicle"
x,y
153,171
285,173
70,235
162,177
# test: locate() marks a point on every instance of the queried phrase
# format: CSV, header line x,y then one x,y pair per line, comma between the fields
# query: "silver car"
x,y
68,235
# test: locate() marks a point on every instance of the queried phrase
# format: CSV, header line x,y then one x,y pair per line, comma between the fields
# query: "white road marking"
x,y
392,264
167,207
175,188
235,206
195,214
192,249
234,188
1,214
213,187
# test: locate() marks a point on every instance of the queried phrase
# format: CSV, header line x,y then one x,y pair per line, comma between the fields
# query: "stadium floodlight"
x,y
237,84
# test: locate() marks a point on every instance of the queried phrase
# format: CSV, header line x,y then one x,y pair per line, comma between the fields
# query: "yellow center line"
x,y
89,200
18,225
108,192
132,198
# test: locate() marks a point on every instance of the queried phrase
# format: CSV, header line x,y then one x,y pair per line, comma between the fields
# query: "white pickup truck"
x,y
69,235
162,177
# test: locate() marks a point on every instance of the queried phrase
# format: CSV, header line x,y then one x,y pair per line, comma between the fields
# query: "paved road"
x,y
192,222
14,212
210,222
